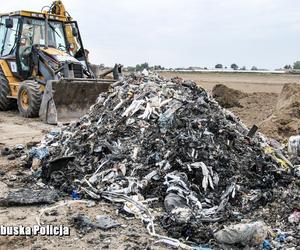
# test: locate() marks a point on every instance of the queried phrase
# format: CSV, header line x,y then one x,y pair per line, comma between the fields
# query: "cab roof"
x,y
34,14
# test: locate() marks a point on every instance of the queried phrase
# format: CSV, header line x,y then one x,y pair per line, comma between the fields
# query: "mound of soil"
x,y
285,120
228,97
251,108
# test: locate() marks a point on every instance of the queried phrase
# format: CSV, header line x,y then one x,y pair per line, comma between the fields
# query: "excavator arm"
x,y
58,8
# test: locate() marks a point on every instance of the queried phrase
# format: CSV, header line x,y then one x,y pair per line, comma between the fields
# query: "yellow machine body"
x,y
45,72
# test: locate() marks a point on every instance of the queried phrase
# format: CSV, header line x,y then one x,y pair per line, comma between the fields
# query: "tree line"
x,y
142,66
233,66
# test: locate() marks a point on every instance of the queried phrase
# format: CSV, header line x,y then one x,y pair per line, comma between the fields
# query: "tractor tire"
x,y
29,99
5,102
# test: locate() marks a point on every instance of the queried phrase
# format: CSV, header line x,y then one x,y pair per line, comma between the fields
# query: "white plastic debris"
x,y
252,234
207,179
294,218
297,171
133,108
294,145
145,72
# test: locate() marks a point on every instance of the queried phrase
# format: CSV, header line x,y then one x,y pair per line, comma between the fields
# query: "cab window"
x,y
2,32
11,37
75,46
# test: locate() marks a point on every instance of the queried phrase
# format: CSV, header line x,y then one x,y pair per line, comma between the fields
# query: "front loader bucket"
x,y
66,100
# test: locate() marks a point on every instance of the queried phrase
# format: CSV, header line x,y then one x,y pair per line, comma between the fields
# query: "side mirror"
x,y
75,31
9,23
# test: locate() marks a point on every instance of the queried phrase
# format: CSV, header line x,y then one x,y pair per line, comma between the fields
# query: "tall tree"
x,y
234,66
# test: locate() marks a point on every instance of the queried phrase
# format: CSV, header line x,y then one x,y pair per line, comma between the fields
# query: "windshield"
x,y
33,33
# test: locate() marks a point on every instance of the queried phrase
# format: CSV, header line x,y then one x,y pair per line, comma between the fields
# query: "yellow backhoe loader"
x,y
43,66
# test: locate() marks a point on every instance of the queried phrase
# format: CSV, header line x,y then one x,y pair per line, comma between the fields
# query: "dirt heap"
x,y
228,97
257,109
284,121
167,151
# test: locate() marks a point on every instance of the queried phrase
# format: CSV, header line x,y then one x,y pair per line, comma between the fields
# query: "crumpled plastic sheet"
x,y
252,234
39,153
168,140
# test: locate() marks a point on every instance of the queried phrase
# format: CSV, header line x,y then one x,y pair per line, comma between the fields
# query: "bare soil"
x,y
251,108
15,129
255,108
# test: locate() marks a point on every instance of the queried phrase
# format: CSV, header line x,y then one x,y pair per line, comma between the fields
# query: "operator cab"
x,y
20,35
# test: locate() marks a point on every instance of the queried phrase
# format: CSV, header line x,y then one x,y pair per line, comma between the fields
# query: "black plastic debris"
x,y
57,164
82,223
11,157
26,197
253,131
13,152
105,222
6,151
2,173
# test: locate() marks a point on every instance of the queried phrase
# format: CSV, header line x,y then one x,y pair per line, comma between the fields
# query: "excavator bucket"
x,y
66,100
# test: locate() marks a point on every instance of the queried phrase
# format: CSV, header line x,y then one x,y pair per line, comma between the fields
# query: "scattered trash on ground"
x,y
14,152
106,223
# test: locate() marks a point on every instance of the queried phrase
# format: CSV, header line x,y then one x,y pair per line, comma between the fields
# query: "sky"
x,y
183,33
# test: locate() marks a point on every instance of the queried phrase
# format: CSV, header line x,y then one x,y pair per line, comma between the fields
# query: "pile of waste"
x,y
166,151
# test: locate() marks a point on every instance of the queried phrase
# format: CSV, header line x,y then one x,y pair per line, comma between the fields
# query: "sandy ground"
x,y
17,130
131,235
